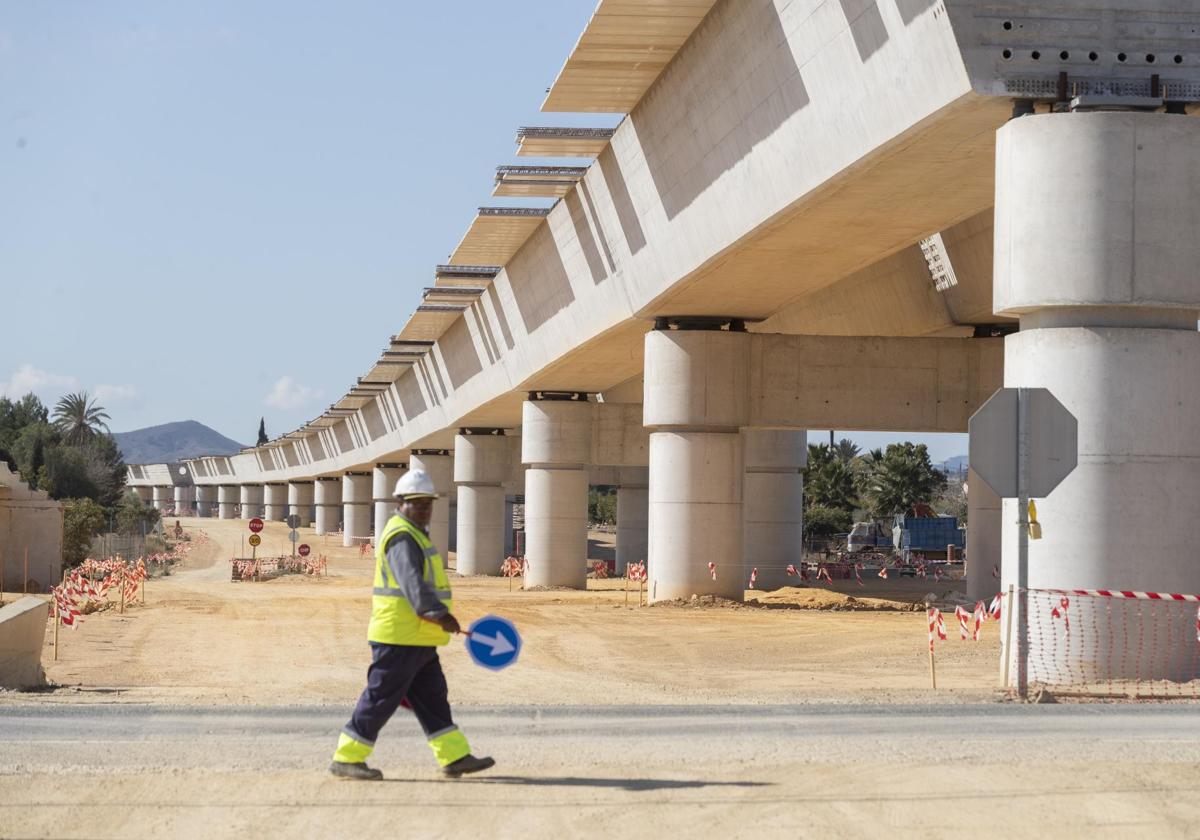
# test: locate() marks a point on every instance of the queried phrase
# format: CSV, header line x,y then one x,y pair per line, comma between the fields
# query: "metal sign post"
x,y
1023,443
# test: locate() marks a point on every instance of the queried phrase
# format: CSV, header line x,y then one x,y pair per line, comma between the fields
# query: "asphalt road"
x,y
847,770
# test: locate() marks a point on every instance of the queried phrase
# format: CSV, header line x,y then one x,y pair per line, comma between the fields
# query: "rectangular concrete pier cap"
x,y
22,634
695,403
1097,252
556,445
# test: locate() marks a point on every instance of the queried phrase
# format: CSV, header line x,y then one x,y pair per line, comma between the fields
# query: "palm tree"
x,y
846,450
79,418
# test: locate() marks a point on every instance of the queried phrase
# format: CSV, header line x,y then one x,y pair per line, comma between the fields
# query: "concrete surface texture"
x,y
327,497
300,500
30,536
251,496
383,488
1108,306
483,463
275,501
556,444
22,634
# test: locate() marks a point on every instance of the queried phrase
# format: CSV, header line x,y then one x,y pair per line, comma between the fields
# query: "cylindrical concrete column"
x,y
162,497
696,402
556,446
275,502
206,496
300,501
184,495
984,520
439,464
227,499
252,501
327,496
482,463
356,508
145,494
633,516
773,502
1097,252
383,488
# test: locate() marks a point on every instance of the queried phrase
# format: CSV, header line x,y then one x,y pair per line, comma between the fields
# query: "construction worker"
x,y
410,618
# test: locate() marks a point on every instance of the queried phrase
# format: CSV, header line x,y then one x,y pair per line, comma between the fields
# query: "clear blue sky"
x,y
219,210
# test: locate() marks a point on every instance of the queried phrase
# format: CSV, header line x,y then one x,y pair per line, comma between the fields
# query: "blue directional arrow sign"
x,y
493,642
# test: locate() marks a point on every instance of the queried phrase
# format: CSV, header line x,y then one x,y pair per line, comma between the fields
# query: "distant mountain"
x,y
172,442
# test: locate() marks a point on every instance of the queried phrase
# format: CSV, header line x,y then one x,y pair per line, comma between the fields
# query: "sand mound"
x,y
811,598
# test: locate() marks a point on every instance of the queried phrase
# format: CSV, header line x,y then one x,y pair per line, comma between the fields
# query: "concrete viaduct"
x,y
851,214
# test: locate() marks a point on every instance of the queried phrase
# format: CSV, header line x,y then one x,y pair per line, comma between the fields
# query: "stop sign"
x,y
256,525
303,550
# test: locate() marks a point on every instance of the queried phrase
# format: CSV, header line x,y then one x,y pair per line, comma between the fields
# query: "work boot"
x,y
359,770
468,764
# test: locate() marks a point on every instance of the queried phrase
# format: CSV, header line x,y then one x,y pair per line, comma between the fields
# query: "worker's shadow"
x,y
623,784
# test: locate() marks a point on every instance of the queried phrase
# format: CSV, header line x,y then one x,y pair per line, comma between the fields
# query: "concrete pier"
x,y
356,508
300,501
383,486
439,464
1097,254
482,463
162,497
984,526
227,500
275,497
633,516
556,446
252,501
773,503
696,402
185,500
327,497
206,496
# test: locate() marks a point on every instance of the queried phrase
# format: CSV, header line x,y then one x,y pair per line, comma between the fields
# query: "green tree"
x,y
79,418
846,451
29,451
900,477
831,485
262,431
819,454
133,516
83,519
824,521
602,507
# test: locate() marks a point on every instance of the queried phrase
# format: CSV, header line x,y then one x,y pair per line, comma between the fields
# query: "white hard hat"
x,y
415,484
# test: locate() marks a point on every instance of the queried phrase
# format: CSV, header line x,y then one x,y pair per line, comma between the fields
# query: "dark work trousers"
x,y
398,672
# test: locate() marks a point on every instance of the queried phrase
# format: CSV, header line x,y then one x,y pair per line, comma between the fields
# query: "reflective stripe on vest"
x,y
393,619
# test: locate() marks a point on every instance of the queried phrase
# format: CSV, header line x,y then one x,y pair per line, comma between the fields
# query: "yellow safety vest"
x,y
393,619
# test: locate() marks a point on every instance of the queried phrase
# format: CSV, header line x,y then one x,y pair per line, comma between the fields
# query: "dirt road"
x,y
713,771
202,639
211,711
